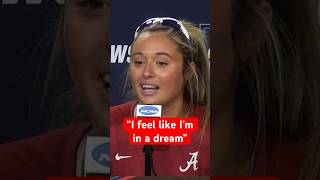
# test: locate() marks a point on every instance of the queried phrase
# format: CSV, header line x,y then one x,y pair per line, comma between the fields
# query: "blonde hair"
x,y
282,78
197,88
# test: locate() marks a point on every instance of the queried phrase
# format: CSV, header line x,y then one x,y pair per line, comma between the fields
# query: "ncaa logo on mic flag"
x,y
148,110
101,154
97,155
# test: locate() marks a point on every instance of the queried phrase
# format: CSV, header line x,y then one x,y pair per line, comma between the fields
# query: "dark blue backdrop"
x,y
26,33
127,15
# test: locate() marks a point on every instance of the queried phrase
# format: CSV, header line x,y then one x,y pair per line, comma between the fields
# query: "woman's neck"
x,y
176,109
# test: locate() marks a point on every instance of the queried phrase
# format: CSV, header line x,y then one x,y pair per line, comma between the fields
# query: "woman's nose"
x,y
148,71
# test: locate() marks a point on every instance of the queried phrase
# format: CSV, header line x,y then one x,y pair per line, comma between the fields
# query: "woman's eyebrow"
x,y
137,53
158,54
164,53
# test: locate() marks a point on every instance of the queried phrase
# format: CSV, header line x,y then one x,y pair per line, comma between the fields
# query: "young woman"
x,y
168,66
265,85
78,70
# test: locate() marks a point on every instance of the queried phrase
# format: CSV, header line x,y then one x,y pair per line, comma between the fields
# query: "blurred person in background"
x,y
265,88
75,96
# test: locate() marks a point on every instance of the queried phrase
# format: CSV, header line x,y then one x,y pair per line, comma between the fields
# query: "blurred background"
x,y
27,33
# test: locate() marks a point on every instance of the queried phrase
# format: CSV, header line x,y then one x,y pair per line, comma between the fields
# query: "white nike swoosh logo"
x,y
118,157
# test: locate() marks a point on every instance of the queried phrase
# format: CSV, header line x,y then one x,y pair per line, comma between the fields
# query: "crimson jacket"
x,y
168,160
50,154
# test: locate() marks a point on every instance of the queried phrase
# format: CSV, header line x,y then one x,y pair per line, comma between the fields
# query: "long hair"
x,y
60,104
281,83
197,88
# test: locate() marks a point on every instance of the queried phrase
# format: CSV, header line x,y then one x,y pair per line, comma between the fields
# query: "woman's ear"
x,y
250,23
190,71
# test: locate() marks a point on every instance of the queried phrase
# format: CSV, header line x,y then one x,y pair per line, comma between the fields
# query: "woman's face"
x,y
156,70
87,48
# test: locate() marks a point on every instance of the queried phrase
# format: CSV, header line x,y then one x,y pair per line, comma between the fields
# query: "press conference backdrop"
x,y
126,16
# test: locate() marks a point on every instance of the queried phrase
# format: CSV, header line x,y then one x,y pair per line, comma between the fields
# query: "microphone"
x,y
97,156
148,111
147,150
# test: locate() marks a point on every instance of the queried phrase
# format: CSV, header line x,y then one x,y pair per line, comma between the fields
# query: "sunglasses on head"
x,y
165,21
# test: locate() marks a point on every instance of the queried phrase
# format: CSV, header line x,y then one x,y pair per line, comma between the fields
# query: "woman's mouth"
x,y
149,89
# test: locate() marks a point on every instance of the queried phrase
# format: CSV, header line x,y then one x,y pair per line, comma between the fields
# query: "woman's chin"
x,y
149,101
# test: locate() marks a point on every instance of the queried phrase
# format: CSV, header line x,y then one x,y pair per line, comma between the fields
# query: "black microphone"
x,y
148,111
147,150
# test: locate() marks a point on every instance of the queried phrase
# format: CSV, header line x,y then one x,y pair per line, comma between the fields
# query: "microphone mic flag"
x,y
148,111
97,156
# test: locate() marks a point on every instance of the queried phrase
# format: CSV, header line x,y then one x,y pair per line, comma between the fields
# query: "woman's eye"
x,y
162,63
138,62
94,4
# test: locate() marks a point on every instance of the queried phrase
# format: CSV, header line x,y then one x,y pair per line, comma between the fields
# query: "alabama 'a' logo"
x,y
192,162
